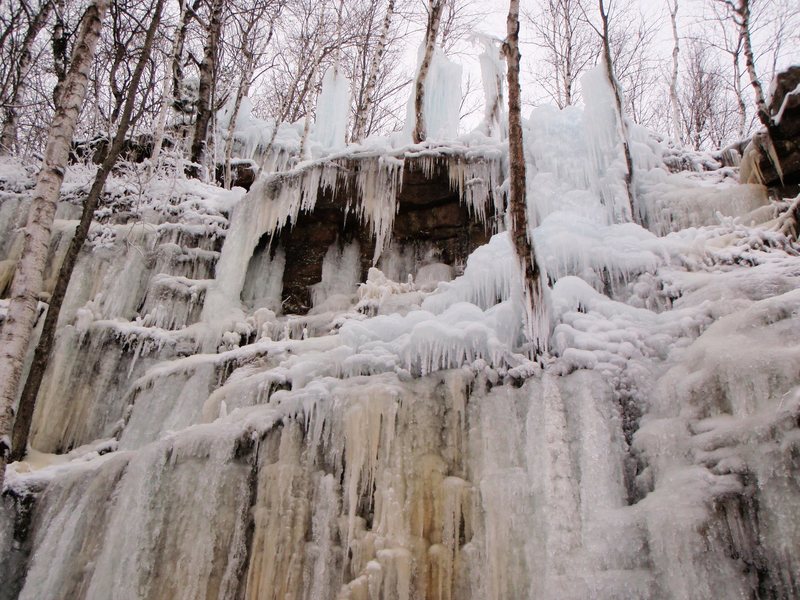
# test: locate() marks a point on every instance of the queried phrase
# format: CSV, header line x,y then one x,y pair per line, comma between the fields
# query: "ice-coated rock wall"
x,y
194,440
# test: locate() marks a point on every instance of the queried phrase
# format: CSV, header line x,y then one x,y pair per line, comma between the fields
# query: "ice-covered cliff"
x,y
198,437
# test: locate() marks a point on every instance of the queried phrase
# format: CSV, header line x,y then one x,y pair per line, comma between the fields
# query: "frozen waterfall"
x,y
194,439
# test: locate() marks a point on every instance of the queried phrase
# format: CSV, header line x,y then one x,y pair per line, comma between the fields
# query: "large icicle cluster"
x,y
366,184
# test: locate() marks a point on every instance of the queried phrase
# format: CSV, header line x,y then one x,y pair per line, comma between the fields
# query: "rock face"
x,y
243,173
429,210
432,225
306,243
758,163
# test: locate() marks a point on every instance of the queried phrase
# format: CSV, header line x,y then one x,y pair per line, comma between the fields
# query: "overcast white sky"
x,y
692,15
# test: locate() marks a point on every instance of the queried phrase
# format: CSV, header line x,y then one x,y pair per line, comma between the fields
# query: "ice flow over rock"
x,y
193,440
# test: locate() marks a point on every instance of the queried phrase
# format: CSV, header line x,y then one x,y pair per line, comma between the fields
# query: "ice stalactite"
x,y
478,179
378,181
605,147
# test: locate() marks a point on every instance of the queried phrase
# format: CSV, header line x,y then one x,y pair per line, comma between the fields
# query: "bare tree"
x,y
742,19
706,115
27,285
517,212
388,97
25,100
631,37
458,22
60,44
27,401
729,41
305,46
250,31
20,74
566,37
431,30
673,84
568,45
365,99
740,12
174,61
205,105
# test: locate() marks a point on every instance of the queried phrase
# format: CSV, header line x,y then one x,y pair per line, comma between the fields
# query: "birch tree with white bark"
x,y
622,125
208,68
19,74
127,118
366,98
568,48
26,289
677,134
159,128
255,33
434,8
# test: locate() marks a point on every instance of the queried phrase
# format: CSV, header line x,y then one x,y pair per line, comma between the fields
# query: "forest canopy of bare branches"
x,y
275,52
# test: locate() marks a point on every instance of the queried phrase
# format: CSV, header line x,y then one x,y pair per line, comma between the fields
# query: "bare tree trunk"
x,y
163,111
434,17
621,123
249,50
749,61
523,245
207,72
741,16
241,92
27,402
361,116
568,53
677,133
59,46
180,38
9,136
337,51
27,284
737,89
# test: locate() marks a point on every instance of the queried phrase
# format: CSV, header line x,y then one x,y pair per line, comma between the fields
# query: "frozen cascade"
x,y
341,274
264,279
276,202
442,102
333,108
405,498
252,137
395,443
101,363
492,78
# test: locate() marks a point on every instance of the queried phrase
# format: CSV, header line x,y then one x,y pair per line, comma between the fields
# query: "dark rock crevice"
x,y
428,210
779,166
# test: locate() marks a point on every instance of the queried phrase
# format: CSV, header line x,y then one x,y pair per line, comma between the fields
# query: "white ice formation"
x,y
194,442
